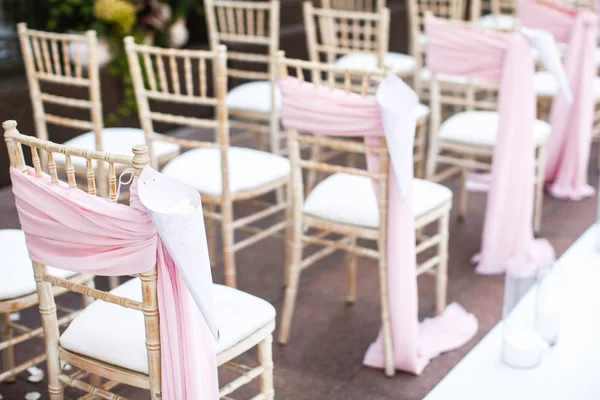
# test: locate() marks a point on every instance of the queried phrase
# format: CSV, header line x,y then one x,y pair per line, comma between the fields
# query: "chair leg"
x,y
442,270
351,269
431,159
386,327
211,235
8,354
47,308
113,282
311,176
464,195
289,237
227,232
292,285
420,148
265,358
96,381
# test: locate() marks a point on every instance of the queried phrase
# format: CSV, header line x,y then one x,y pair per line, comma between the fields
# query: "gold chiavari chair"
x,y
361,39
354,30
343,207
118,337
60,67
464,142
223,174
353,39
254,104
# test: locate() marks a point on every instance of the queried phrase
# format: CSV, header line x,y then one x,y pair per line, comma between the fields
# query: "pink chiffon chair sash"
x,y
478,53
568,149
321,111
70,229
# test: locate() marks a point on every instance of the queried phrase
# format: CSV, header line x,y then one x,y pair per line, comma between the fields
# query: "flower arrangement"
x,y
159,22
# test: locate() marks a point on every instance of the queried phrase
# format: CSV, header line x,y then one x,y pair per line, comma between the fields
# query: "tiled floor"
x,y
328,340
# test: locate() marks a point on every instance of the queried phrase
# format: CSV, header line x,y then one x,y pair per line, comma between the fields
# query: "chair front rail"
x,y
324,252
342,245
266,233
266,212
88,388
108,371
13,372
32,333
248,375
340,228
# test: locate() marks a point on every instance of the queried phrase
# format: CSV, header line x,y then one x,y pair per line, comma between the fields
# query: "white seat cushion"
x,y
253,96
248,169
546,85
350,199
422,111
399,63
481,127
501,21
16,266
425,76
116,335
116,141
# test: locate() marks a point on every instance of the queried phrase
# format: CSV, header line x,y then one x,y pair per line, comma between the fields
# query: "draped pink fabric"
x,y
70,229
478,53
569,144
322,111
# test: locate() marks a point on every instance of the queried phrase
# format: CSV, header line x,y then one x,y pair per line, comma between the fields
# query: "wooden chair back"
x,y
355,5
67,60
245,23
155,73
465,95
331,33
417,9
327,75
45,281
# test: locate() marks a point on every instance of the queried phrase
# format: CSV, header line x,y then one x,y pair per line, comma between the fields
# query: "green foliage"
x,y
33,12
72,15
112,19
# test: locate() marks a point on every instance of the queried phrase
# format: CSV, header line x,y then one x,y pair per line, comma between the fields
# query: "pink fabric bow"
x,y
321,111
478,53
70,229
569,143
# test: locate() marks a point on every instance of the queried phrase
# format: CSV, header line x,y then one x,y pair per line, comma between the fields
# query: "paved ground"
x,y
328,341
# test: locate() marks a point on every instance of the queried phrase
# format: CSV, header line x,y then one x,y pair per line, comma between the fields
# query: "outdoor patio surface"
x,y
328,340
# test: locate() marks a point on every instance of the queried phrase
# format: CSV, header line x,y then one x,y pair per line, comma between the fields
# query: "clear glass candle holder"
x,y
522,346
547,312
